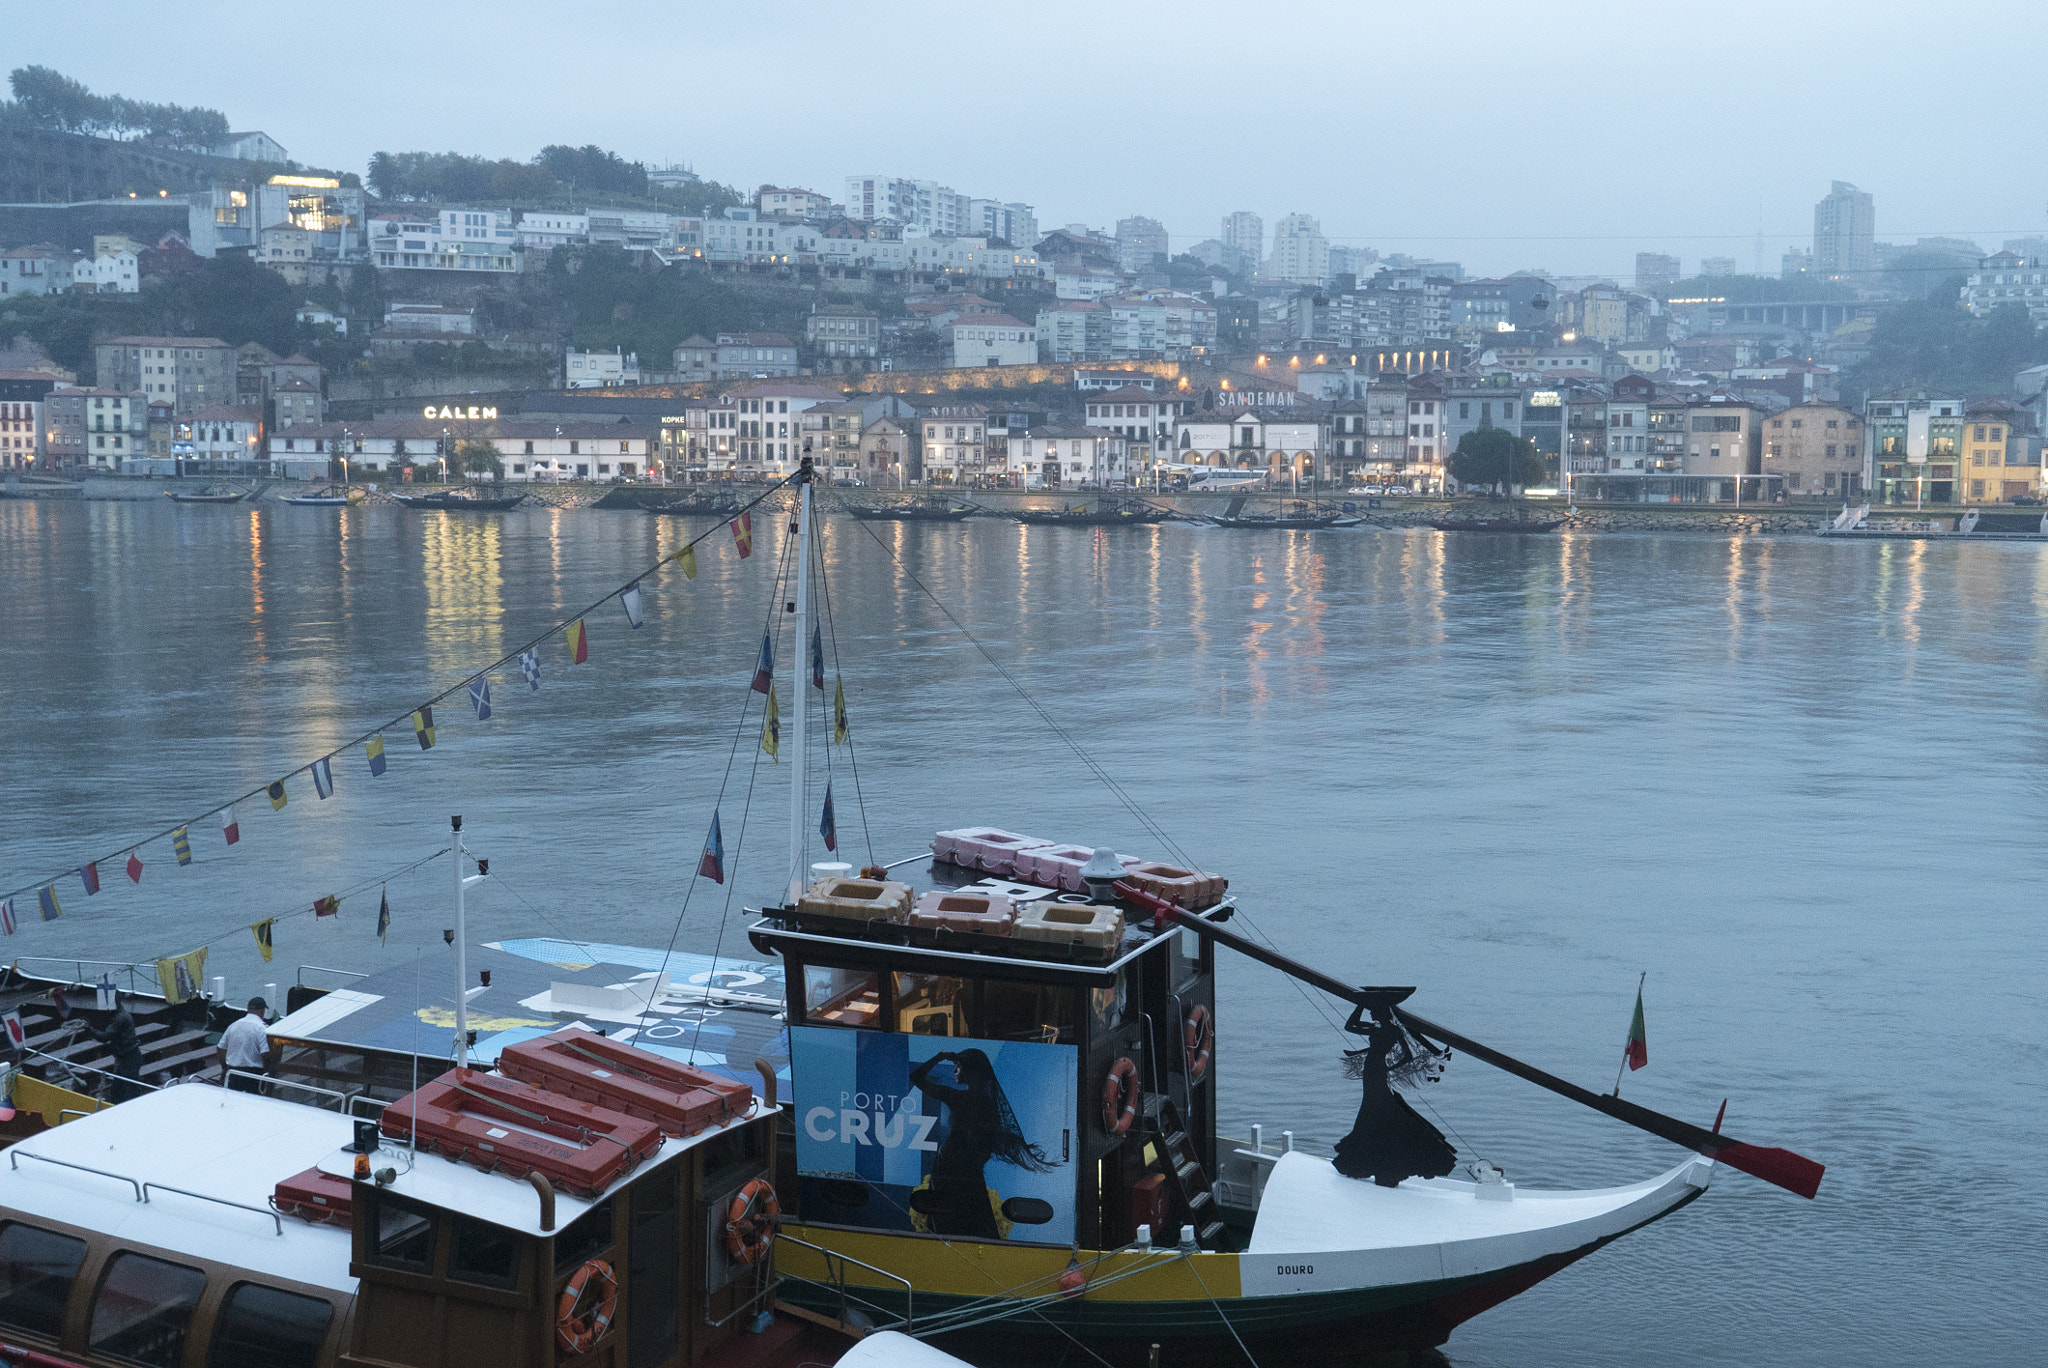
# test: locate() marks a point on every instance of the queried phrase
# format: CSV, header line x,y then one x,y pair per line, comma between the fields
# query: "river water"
x,y
1799,783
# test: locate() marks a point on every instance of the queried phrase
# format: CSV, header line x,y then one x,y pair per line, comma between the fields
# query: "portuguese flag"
x,y
1637,1051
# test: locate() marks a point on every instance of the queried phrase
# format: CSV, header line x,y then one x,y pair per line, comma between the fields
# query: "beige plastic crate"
x,y
1193,889
856,900
1097,927
985,914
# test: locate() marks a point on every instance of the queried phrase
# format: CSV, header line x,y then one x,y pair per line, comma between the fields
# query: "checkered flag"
x,y
529,665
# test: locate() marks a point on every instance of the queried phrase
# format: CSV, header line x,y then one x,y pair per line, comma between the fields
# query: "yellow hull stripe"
x,y
980,1268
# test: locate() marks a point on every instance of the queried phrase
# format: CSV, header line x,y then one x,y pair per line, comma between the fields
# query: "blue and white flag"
x,y
480,698
529,665
629,599
323,778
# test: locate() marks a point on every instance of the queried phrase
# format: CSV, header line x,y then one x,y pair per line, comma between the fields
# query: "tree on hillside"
x,y
1933,343
1495,457
478,456
44,98
592,168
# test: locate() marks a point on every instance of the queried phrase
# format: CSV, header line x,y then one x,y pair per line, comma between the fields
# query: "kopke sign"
x,y
446,411
929,1133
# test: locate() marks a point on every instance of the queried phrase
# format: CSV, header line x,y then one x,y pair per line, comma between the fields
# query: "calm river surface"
x,y
1804,785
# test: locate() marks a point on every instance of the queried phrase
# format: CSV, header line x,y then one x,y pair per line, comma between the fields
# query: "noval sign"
x,y
445,411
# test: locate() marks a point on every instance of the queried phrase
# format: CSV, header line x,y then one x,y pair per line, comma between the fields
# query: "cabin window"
x,y
402,1234
484,1253
841,997
1030,1011
36,1269
143,1309
267,1327
585,1238
932,1004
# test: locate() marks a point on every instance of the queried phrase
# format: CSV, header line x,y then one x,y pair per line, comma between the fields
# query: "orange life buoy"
x,y
579,1333
1120,1097
1195,1042
750,1222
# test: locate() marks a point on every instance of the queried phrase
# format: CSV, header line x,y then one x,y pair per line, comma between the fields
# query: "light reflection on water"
x,y
1798,782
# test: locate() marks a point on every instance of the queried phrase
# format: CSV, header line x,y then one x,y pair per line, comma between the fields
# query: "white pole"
x,y
799,707
461,957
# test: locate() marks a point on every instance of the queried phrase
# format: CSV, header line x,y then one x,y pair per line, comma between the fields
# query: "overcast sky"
x,y
1503,135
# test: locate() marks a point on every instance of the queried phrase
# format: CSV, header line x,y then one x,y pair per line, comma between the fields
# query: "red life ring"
x,y
750,1222
1120,1097
1195,1039
579,1334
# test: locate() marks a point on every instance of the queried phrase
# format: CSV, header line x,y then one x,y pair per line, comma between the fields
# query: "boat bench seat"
x,y
175,1065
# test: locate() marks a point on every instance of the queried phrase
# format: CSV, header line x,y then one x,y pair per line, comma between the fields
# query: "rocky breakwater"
x,y
1715,520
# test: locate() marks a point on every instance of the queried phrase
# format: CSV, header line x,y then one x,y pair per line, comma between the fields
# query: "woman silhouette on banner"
x,y
980,1127
1389,1141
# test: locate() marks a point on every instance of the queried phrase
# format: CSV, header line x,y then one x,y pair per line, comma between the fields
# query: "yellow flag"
x,y
687,557
839,729
771,730
181,976
262,932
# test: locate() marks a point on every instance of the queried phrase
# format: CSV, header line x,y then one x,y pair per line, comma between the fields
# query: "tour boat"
x,y
1300,517
469,500
920,510
1126,513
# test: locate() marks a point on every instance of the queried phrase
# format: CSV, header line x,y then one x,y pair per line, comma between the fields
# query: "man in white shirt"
x,y
245,1045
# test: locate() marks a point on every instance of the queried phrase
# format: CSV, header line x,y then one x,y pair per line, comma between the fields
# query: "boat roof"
x,y
542,984
228,1146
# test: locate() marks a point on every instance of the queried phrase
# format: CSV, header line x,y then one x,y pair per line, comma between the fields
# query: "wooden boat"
x,y
461,501
924,510
211,494
1292,518
1125,514
329,496
720,506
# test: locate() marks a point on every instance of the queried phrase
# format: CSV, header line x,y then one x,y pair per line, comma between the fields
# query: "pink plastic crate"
x,y
985,848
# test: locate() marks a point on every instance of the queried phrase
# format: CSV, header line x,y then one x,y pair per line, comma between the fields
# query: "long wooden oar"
x,y
1793,1172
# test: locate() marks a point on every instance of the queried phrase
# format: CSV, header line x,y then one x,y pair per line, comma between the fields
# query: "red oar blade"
x,y
1793,1172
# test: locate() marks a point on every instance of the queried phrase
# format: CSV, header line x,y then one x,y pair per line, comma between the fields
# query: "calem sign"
x,y
446,411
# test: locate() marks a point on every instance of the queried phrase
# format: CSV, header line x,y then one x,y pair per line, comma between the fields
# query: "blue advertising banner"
x,y
963,1137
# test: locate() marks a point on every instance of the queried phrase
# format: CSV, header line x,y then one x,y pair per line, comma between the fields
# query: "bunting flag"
x,y
373,750
134,867
828,828
383,914
423,727
687,558
579,642
529,665
323,778
46,899
839,729
181,846
817,659
771,731
7,915
277,798
480,698
629,599
326,907
229,826
743,534
17,1030
764,668
180,976
712,863
89,875
261,930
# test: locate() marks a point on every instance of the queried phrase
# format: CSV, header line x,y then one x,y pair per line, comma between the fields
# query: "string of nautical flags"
x,y
475,689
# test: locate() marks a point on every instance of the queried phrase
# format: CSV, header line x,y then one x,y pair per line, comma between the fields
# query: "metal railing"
x,y
345,1098
15,1156
323,969
200,1196
78,978
838,1280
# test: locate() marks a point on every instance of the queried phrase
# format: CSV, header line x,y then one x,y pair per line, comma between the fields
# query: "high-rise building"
x,y
1717,266
1845,233
1244,242
1138,241
1301,254
1655,270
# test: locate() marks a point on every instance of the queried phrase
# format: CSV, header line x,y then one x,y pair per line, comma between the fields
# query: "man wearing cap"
x,y
245,1046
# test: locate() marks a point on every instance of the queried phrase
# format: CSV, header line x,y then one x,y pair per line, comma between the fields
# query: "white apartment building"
x,y
1143,419
773,201
1244,242
993,340
550,230
632,229
600,370
110,273
939,209
2008,278
459,240
1160,324
1067,458
1301,254
36,270
1015,224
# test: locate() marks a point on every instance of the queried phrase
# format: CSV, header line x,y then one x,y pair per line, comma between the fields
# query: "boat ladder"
x,y
1184,1171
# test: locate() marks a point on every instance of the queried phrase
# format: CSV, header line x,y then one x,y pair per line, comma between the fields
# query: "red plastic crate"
x,y
500,1124
587,1066
314,1196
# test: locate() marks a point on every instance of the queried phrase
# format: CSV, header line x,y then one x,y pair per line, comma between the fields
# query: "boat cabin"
x,y
984,1058
482,1221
